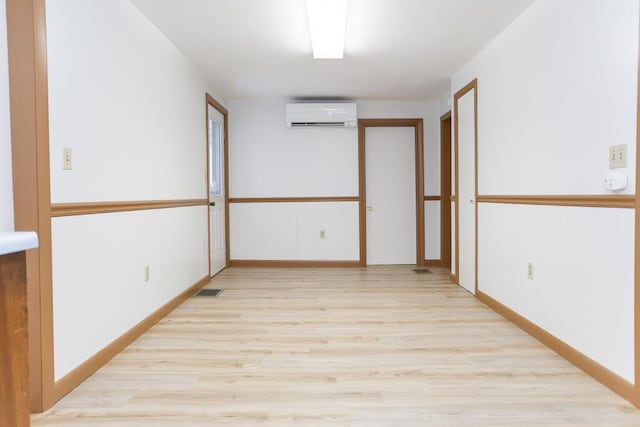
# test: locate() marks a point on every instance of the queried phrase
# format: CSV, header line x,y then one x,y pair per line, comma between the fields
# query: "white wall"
x,y
99,291
132,109
555,89
6,179
266,159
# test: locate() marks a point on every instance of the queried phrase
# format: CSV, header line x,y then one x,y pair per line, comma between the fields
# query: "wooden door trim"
x,y
636,267
29,106
417,124
445,189
473,85
210,100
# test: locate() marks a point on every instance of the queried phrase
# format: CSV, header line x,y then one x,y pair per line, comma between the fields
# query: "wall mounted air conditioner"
x,y
321,115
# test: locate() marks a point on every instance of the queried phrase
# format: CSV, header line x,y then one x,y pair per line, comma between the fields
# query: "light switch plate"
x,y
618,156
67,162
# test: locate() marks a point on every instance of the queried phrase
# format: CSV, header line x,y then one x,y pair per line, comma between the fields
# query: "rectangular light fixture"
x,y
327,24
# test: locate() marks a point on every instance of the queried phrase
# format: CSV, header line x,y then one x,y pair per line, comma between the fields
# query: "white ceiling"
x,y
395,49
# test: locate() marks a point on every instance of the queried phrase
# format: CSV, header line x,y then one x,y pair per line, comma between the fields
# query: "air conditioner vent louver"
x,y
321,115
316,124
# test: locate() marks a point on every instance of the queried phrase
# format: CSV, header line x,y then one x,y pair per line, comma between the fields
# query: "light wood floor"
x,y
381,346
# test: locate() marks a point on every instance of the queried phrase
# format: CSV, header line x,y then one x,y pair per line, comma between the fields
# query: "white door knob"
x,y
369,207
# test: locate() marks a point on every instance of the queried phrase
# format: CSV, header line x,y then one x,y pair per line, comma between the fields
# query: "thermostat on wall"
x,y
615,181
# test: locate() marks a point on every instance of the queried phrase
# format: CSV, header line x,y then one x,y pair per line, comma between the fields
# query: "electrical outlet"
x,y
147,273
618,156
530,271
67,163
323,234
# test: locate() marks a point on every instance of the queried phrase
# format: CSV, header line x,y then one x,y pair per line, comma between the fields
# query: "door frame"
x,y
472,85
211,101
417,124
445,190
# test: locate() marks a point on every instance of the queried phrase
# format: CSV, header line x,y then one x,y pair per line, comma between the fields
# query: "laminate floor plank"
x,y
377,346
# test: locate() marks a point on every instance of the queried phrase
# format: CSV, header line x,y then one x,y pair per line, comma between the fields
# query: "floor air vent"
x,y
208,293
422,271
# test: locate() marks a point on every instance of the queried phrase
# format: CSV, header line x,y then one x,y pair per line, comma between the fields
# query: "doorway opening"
x,y
388,157
217,186
465,110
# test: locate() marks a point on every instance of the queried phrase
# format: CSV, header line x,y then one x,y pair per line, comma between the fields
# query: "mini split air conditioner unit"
x,y
321,115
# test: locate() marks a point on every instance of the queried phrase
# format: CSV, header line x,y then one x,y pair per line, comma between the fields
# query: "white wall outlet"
x,y
323,234
67,161
618,156
147,273
530,271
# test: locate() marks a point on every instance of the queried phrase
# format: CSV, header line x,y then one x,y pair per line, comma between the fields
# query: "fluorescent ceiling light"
x,y
327,24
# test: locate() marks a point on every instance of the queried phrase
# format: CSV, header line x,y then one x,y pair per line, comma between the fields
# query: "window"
x,y
215,170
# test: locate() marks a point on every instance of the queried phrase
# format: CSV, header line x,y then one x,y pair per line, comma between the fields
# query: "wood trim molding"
x,y
29,105
98,360
432,263
596,200
432,198
419,170
70,209
636,267
362,189
417,124
293,199
598,372
293,263
445,189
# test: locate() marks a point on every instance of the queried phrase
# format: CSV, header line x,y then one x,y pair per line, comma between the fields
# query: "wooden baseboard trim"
x,y
601,374
594,201
293,199
70,381
432,263
293,263
453,278
70,209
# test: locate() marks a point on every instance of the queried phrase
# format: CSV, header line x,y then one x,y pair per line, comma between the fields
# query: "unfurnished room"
x,y
319,213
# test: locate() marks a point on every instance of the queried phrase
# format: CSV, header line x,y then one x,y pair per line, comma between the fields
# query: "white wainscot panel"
x,y
291,231
264,231
99,287
338,220
582,287
432,229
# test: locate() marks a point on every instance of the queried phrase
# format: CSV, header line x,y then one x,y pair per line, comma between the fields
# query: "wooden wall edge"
x,y
70,381
595,201
293,199
293,263
71,209
592,368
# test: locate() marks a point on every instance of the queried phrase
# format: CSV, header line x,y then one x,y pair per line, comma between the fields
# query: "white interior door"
x,y
217,245
390,195
466,188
